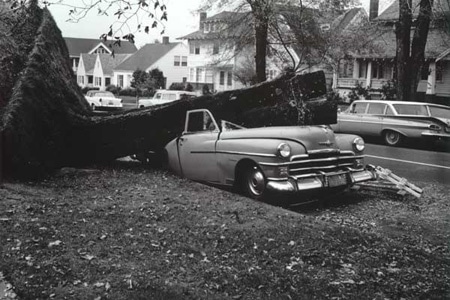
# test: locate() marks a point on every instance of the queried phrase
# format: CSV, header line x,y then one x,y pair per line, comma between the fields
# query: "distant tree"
x,y
141,81
205,90
176,86
157,78
189,88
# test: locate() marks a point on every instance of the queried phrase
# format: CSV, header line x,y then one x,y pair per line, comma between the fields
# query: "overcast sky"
x,y
182,20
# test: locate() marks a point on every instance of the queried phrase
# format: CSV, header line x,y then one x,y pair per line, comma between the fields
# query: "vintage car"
x,y
103,100
164,96
395,121
286,159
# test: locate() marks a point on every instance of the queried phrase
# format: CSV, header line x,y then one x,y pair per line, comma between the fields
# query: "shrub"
x,y
128,92
113,89
177,86
389,90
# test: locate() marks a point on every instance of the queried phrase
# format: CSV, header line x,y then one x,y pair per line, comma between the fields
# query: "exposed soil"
x,y
125,232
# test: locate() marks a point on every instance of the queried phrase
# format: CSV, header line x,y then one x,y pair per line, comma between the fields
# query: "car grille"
x,y
318,163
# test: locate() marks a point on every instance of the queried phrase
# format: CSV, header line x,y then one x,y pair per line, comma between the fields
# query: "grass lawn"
x,y
125,232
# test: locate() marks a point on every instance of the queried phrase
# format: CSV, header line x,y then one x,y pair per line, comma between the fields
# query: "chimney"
x,y
165,40
202,18
373,9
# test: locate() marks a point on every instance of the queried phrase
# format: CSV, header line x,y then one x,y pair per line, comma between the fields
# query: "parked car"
x,y
286,159
395,121
103,100
164,96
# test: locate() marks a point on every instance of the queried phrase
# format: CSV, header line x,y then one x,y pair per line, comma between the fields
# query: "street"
x,y
412,164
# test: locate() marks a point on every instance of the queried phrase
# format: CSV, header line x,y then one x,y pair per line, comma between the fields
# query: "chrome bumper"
x,y
324,180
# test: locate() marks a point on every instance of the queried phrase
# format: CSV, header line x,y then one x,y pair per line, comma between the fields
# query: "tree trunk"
x,y
261,29
418,44
402,32
47,123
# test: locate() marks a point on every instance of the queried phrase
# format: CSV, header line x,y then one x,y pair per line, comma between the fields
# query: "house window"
x,y
184,61
362,70
184,79
378,70
194,48
199,77
229,78
98,81
90,79
209,76
176,61
107,81
81,79
270,74
191,74
222,78
120,80
216,47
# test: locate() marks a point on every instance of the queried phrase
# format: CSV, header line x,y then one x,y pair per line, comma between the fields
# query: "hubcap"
x,y
256,182
392,137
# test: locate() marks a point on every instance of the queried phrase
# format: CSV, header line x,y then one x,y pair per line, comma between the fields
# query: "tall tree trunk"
x,y
418,44
261,29
403,32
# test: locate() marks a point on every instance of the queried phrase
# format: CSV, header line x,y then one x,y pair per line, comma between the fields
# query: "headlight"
x,y
358,144
284,150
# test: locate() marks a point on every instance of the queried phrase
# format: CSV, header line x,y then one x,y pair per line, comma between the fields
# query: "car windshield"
x,y
411,109
440,112
227,126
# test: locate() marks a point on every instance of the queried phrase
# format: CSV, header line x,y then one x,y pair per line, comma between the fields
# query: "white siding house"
x,y
170,58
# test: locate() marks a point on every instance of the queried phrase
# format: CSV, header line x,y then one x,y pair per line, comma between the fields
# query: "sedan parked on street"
x,y
103,100
287,159
395,121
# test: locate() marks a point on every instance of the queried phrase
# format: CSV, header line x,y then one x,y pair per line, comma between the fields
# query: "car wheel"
x,y
93,106
392,138
254,183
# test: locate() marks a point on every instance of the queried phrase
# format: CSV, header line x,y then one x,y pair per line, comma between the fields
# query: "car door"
x,y
372,120
197,147
350,120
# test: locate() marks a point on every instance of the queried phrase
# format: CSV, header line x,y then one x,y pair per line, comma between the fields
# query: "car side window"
x,y
359,108
389,111
200,121
157,96
376,108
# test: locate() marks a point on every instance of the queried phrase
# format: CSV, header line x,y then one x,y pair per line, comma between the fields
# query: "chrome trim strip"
x,y
328,159
299,156
330,150
320,168
247,153
428,134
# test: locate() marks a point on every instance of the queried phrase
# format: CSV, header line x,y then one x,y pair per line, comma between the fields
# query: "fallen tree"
x,y
46,122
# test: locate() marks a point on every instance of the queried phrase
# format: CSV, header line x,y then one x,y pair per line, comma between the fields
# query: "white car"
x,y
103,100
164,96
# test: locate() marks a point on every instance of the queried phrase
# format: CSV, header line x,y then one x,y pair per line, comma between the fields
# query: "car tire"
x,y
93,106
392,138
254,183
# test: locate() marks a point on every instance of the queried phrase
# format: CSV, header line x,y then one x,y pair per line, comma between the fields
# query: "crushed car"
x,y
288,159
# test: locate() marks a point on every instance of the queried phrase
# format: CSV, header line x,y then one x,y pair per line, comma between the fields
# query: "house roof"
x,y
88,61
239,23
344,21
81,45
109,62
146,56
385,44
392,12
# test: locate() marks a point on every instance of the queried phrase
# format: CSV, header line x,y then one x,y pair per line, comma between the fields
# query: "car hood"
x,y
313,138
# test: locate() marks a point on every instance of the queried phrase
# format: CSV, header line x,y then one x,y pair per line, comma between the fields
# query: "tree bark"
x,y
261,29
47,123
418,45
402,32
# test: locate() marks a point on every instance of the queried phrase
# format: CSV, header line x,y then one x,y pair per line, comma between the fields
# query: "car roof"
x,y
400,102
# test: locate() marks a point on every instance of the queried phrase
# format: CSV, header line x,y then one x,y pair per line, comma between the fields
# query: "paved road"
x,y
413,164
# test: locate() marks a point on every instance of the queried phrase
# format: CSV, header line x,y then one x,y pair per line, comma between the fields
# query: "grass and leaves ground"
x,y
125,232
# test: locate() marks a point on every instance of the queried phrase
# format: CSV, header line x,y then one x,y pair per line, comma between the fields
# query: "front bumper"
x,y
345,178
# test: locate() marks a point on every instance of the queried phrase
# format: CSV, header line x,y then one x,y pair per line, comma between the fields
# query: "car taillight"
x,y
435,127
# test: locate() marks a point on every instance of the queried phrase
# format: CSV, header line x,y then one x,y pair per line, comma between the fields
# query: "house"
x,y
374,69
77,46
170,58
96,70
